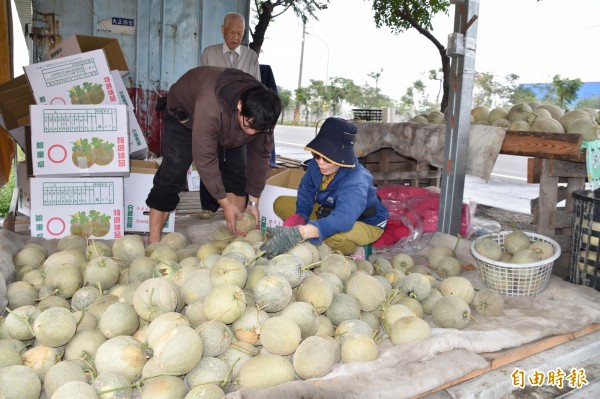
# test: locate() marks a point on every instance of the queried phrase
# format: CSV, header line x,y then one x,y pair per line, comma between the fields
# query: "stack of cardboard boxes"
x,y
73,117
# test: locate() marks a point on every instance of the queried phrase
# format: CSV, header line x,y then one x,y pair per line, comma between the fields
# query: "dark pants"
x,y
232,164
170,178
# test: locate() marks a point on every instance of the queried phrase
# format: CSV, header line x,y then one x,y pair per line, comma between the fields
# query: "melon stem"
x,y
311,266
137,384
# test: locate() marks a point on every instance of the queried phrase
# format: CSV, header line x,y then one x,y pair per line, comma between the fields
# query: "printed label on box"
x,y
137,187
77,79
79,140
87,207
193,179
137,141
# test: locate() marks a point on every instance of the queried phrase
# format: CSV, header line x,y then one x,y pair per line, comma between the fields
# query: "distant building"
x,y
587,90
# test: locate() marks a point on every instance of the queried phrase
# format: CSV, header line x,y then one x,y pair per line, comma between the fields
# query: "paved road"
x,y
506,189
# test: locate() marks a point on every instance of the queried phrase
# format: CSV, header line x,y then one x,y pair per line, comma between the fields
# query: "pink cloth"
x,y
294,220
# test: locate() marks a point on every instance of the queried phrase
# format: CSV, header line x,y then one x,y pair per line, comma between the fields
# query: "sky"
x,y
535,40
532,39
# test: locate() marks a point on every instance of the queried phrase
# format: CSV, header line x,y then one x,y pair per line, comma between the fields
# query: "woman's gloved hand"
x,y
294,220
284,239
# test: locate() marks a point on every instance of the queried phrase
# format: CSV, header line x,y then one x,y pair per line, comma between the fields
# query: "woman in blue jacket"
x,y
337,201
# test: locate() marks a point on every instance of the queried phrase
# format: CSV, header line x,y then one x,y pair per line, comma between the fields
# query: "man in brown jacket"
x,y
211,113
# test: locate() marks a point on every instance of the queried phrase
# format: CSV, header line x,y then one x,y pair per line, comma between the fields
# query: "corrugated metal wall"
x,y
166,40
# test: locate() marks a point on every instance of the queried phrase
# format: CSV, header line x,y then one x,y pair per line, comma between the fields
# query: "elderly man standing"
x,y
230,54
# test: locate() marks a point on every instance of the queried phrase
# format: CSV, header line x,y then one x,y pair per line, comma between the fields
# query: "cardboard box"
x,y
138,148
91,207
77,79
79,140
77,44
137,187
15,98
24,203
284,183
193,179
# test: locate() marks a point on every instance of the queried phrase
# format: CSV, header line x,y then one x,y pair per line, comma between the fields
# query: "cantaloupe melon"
x,y
179,350
21,293
451,312
81,349
317,291
119,319
109,381
63,280
351,328
291,267
40,358
225,303
305,316
216,337
205,391
228,271
280,335
337,264
75,390
154,297
313,358
238,353
415,285
343,307
272,293
60,374
265,371
457,286
54,327
209,370
488,303
247,328
409,329
367,290
128,247
20,382
124,355
359,348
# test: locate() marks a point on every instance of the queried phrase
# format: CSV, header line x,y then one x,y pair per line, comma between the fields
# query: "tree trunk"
x,y
445,80
264,17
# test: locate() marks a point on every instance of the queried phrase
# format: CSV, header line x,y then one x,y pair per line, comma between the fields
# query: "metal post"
x,y
297,110
461,49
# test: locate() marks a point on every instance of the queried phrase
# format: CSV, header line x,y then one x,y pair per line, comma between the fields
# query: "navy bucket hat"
x,y
335,142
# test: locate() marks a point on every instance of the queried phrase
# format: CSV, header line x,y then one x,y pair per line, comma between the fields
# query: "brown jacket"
x,y
209,96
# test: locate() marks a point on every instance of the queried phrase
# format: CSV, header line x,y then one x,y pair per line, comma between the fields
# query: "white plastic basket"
x,y
510,279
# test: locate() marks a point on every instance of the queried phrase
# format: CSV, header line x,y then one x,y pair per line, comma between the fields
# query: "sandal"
x,y
206,214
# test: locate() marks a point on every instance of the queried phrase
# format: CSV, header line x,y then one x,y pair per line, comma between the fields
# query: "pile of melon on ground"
x,y
181,320
530,117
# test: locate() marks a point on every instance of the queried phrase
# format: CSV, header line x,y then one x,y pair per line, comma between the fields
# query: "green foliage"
x,y
590,102
266,10
6,193
565,89
401,15
561,92
490,92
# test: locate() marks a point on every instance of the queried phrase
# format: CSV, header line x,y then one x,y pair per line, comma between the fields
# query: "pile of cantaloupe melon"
x,y
182,320
534,117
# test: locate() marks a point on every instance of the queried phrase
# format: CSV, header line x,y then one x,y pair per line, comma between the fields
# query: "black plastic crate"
x,y
584,265
369,115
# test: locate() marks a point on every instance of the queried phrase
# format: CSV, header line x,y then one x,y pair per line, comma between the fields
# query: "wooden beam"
x,y
543,145
502,358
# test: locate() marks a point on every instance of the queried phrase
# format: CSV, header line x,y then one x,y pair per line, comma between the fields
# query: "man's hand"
x,y
283,240
253,210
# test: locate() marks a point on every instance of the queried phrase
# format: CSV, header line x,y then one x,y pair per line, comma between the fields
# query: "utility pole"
x,y
297,110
